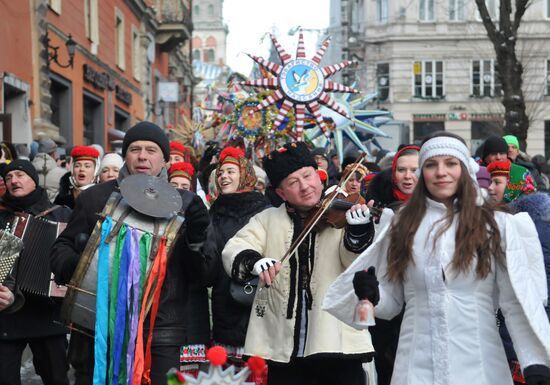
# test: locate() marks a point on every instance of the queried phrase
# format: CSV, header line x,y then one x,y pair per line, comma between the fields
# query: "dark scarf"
x,y
23,203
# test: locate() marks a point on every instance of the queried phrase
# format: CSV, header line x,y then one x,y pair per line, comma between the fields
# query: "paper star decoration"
x,y
358,120
301,84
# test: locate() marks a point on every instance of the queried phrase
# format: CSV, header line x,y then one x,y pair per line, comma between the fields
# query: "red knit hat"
x,y
231,155
177,148
85,153
499,168
183,169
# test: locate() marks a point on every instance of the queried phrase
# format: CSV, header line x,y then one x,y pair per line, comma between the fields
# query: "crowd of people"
x,y
451,249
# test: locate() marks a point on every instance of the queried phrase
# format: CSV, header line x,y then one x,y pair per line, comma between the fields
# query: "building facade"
x,y
92,69
434,66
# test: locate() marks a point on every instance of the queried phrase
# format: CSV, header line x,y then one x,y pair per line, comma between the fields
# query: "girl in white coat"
x,y
450,259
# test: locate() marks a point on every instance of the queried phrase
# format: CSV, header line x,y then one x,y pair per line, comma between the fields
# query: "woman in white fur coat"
x,y
452,260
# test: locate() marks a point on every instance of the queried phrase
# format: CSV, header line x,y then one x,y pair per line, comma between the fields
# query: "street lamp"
x,y
53,54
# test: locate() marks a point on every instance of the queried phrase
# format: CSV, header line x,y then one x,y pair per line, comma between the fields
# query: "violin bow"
x,y
324,207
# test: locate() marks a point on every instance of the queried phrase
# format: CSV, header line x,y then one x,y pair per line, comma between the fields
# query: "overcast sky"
x,y
249,20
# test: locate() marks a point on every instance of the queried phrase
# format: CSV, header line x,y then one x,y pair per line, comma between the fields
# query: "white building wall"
x,y
404,39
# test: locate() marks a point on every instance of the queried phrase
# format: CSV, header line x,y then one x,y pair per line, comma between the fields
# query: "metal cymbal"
x,y
150,195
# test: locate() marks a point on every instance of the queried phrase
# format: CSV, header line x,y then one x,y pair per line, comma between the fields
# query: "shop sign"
x,y
123,95
101,80
429,117
457,116
486,117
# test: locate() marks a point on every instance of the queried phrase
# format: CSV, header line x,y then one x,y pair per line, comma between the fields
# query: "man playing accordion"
x,y
35,323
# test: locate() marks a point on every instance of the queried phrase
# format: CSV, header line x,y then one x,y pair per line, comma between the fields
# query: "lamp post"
x,y
53,51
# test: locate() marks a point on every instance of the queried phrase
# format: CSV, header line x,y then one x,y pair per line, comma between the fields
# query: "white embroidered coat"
x,y
449,334
272,336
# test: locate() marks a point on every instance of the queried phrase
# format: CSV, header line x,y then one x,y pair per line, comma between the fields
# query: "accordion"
x,y
38,234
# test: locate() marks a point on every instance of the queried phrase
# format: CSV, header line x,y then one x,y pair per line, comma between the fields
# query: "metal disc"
x,y
150,195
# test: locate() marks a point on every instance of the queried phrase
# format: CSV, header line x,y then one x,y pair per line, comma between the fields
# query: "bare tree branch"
x,y
521,7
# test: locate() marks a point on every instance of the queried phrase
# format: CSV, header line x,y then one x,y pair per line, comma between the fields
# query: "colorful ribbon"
x,y
142,366
121,306
121,236
102,305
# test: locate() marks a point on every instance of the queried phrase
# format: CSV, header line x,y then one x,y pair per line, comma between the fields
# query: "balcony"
x,y
175,25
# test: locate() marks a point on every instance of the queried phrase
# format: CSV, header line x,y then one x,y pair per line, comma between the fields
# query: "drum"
x,y
79,305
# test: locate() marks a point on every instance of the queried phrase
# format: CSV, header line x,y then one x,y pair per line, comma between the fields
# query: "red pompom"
x,y
370,176
499,166
181,169
217,355
256,365
323,175
177,147
231,153
84,152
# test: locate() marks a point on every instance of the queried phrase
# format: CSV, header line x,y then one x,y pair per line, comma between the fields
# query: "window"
x,y
428,79
91,21
426,10
547,139
55,5
548,77
210,55
136,57
119,40
210,10
383,81
492,7
456,10
422,129
547,9
197,10
382,11
196,54
485,80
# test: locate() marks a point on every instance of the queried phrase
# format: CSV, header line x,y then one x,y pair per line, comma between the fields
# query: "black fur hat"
x,y
282,162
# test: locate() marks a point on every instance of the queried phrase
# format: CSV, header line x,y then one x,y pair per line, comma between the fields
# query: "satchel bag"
x,y
244,293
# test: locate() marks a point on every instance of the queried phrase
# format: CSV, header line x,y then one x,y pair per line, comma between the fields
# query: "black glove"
x,y
365,285
537,375
196,220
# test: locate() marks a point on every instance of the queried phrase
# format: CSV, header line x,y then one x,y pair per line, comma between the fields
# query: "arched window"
x,y
197,42
211,42
210,55
210,10
196,54
197,10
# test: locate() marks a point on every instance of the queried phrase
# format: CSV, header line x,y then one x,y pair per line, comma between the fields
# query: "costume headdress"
x,y
282,162
521,182
183,169
236,156
499,168
81,153
177,148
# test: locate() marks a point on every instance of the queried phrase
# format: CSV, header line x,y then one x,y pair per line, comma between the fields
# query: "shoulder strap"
x,y
47,211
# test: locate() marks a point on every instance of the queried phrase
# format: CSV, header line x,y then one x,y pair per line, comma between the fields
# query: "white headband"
x,y
445,145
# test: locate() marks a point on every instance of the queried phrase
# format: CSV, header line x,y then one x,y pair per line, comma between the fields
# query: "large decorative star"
x,y
359,118
300,83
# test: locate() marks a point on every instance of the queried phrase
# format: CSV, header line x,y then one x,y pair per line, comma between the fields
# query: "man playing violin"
x,y
301,343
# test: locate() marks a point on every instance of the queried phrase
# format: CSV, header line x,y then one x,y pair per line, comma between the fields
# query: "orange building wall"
x,y
16,39
72,21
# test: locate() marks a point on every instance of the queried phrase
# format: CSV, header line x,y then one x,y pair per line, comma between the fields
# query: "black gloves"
x,y
365,285
537,375
197,220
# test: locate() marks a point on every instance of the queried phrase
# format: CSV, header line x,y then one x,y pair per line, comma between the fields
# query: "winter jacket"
x,y
183,309
448,334
228,214
273,333
39,316
537,205
49,174
380,190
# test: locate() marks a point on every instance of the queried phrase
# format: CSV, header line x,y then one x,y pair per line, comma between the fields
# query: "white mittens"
x,y
263,265
358,217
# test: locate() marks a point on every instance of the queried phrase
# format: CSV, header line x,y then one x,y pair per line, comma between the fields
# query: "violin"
x,y
335,214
